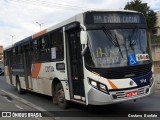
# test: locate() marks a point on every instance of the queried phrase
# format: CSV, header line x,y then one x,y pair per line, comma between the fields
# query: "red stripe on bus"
x,y
39,33
112,85
36,69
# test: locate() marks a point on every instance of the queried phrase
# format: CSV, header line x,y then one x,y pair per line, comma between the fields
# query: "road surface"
x,y
76,111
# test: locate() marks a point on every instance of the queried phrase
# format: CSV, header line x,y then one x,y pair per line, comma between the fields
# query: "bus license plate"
x,y
132,93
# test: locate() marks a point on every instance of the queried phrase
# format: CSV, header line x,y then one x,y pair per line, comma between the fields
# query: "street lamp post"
x,y
12,38
40,24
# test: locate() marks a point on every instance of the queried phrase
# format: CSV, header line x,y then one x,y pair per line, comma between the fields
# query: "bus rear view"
x,y
117,57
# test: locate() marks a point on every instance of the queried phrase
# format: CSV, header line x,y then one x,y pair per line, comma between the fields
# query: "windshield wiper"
x,y
132,42
112,38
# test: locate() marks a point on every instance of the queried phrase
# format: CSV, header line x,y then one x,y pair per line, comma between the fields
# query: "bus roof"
x,y
76,18
110,10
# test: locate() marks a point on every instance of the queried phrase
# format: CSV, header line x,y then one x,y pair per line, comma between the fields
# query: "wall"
x,y
1,53
158,23
156,63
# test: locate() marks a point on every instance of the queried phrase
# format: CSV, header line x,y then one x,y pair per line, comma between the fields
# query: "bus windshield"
x,y
118,47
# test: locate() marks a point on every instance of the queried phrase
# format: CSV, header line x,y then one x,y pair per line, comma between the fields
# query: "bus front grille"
x,y
122,94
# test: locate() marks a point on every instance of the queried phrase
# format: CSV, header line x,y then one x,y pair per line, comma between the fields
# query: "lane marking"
x,y
8,100
38,118
24,101
29,104
19,107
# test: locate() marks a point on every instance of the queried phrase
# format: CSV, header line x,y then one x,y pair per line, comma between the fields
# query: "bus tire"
x,y
60,97
54,98
18,86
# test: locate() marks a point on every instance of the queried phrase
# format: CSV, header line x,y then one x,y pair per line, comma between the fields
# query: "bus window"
x,y
45,43
14,51
5,58
19,50
42,53
57,46
39,47
35,45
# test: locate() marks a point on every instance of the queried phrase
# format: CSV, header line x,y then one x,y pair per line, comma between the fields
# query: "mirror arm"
x,y
84,28
85,45
84,49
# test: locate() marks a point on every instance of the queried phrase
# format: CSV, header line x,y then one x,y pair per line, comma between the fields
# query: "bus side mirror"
x,y
83,37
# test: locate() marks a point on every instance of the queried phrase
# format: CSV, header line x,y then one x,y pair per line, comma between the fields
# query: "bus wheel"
x,y
18,87
60,97
54,98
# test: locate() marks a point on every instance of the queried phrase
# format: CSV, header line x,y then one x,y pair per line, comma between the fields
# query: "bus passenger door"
x,y
75,64
27,67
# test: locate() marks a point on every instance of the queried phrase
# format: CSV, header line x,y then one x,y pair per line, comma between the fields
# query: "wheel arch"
x,y
54,83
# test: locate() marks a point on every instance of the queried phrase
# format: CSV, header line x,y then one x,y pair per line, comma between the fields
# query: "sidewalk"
x,y
13,109
157,81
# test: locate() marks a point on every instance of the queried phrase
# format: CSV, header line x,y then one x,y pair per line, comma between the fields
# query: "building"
x,y
158,24
156,46
1,53
156,57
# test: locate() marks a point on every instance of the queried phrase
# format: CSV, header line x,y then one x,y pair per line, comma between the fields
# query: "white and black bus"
x,y
93,58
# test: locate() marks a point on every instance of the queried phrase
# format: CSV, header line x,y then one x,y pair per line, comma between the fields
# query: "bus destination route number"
x,y
116,18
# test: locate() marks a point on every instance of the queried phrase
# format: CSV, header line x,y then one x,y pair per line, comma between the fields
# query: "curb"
x,y
28,103
24,101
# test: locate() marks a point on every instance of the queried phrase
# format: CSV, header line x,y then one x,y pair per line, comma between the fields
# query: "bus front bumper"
x,y
96,97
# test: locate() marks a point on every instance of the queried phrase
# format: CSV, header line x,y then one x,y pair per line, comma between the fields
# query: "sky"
x,y
18,17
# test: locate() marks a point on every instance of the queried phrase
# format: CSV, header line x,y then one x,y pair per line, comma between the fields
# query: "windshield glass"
x,y
118,47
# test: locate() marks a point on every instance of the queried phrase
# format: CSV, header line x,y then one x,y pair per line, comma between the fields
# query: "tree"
x,y
150,15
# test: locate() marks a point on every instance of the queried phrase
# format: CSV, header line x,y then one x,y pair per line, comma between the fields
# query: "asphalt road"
x,y
150,103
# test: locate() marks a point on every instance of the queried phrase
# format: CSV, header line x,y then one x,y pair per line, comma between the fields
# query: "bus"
x,y
97,57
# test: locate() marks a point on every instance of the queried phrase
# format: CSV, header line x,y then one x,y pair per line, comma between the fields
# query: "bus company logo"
x,y
6,114
131,83
143,80
49,69
21,114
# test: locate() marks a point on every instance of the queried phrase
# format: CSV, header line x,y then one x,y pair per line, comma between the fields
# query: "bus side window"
x,y
57,43
19,50
14,51
39,47
16,57
5,58
35,45
31,46
34,50
42,53
45,43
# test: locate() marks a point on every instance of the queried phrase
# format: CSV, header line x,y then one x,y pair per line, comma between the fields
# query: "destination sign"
x,y
98,18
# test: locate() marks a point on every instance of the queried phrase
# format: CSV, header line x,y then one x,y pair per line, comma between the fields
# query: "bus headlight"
x,y
93,83
100,86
